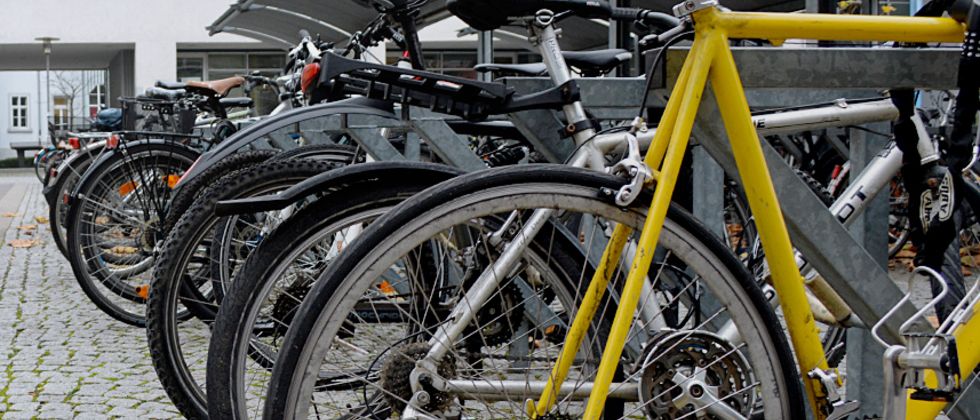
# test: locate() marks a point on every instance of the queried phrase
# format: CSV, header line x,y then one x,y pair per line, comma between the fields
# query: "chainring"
x,y
699,354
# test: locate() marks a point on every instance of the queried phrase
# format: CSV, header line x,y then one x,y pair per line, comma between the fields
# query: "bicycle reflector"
x,y
112,142
74,143
310,73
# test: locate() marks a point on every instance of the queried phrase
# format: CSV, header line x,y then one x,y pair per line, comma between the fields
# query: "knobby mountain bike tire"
x,y
182,276
186,194
690,258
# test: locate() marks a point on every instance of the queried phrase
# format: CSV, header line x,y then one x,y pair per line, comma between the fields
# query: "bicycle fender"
x,y
352,174
262,128
131,147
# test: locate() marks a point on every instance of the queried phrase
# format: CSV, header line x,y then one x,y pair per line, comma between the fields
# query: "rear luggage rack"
x,y
470,99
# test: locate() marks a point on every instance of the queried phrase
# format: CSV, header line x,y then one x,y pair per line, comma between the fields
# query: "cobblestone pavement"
x,y
60,356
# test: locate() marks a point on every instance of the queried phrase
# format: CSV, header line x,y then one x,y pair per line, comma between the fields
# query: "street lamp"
x,y
46,46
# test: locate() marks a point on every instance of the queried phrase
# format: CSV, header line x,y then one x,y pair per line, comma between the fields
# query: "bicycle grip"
x,y
626,13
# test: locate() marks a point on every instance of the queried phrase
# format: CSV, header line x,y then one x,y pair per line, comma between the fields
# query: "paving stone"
x,y
51,333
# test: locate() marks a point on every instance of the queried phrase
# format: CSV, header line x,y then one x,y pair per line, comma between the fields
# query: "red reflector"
x,y
310,73
65,198
74,143
112,142
54,173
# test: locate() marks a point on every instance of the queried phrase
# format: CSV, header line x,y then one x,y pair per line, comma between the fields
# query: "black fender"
x,y
129,146
260,129
90,151
360,173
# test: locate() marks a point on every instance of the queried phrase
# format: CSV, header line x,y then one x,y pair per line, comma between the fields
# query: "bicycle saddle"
x,y
219,87
530,69
171,85
236,102
597,62
164,94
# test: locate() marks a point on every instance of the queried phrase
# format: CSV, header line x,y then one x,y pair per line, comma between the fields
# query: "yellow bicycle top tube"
x,y
827,27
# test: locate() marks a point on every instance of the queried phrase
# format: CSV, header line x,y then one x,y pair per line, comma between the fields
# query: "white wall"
x,y
18,83
155,27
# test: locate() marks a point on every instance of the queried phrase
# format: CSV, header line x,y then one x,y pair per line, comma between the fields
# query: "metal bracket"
x,y
691,6
634,169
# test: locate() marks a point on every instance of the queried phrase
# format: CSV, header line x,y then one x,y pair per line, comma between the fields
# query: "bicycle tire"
x,y
526,187
329,152
169,288
187,194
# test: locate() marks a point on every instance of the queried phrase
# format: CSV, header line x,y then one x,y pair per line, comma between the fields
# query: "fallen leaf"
x,y
23,243
905,253
102,220
26,227
41,219
123,250
9,214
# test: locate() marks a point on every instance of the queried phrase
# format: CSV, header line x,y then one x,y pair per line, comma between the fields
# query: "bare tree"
x,y
71,87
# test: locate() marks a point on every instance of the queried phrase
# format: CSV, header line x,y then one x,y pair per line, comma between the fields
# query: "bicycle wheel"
x,y
183,275
898,217
257,311
113,224
702,319
68,176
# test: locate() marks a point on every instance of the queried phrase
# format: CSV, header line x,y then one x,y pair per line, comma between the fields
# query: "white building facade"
x,y
109,48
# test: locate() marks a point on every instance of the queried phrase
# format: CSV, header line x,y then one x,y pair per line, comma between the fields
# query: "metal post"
x,y
40,127
864,355
484,52
46,47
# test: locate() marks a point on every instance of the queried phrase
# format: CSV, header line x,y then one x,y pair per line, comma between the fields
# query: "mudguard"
x,y
268,125
128,146
90,151
359,173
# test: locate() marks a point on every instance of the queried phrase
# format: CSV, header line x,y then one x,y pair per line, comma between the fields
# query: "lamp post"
x,y
46,46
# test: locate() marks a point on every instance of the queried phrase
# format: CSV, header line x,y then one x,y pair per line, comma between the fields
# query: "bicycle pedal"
x,y
842,409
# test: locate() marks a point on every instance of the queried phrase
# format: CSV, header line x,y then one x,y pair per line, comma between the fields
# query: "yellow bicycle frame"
x,y
711,59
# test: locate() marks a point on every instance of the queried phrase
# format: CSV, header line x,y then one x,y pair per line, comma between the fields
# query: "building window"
x,y
190,69
18,113
96,100
60,112
199,66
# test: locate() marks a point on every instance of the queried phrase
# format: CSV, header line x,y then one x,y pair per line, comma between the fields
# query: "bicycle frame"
x,y
711,59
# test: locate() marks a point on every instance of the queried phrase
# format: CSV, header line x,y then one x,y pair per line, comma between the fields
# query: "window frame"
x,y
26,108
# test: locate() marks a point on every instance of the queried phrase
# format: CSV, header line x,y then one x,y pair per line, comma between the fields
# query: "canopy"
x,y
279,21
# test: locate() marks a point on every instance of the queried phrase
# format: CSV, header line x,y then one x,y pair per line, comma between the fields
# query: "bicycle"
x,y
432,382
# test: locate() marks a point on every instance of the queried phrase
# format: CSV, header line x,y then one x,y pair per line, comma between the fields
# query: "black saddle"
x,y
171,85
530,69
595,63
